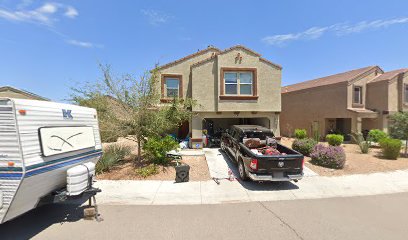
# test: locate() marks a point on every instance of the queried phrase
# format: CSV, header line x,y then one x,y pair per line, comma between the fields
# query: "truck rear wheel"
x,y
241,169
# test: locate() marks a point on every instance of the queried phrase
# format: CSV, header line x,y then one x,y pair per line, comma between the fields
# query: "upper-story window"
x,y
238,83
358,95
172,87
406,93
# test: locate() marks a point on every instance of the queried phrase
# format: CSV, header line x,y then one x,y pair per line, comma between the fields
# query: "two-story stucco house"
x,y
353,101
233,86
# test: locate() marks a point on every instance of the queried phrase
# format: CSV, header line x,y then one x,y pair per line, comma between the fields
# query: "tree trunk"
x,y
139,149
406,148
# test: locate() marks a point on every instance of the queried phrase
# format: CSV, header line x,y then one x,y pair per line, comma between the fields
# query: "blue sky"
x,y
48,46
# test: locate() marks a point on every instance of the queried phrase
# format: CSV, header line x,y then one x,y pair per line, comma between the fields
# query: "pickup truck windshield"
x,y
258,134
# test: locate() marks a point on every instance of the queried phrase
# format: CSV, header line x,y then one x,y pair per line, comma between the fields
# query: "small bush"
x,y
376,135
300,133
364,146
111,156
304,146
390,147
359,140
149,170
334,139
156,148
330,156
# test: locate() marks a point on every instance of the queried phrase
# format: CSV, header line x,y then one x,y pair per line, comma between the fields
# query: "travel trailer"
x,y
43,146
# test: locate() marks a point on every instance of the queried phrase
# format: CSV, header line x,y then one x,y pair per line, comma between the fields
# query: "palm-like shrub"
x,y
111,157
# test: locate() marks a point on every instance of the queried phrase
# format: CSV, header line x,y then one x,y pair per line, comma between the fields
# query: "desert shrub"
x,y
304,146
334,139
330,156
146,171
300,133
376,135
359,140
112,155
390,147
156,148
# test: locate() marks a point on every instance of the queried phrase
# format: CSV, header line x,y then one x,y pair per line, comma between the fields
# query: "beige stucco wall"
x,y
361,82
301,108
402,106
206,84
201,82
268,85
377,96
183,68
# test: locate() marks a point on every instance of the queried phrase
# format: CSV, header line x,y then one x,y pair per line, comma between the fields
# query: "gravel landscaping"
x,y
357,163
126,170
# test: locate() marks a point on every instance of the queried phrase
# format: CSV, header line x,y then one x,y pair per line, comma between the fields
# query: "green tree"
x,y
399,127
130,106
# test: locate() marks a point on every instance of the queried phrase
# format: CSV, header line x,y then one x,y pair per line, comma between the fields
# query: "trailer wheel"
x,y
241,169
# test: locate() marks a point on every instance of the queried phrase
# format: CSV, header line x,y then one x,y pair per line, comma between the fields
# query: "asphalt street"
x,y
371,217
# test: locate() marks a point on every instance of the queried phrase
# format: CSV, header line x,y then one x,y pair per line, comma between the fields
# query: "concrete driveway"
x,y
208,192
373,217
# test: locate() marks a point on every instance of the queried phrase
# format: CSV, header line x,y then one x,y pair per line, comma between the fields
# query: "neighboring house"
x,y
387,94
12,92
353,101
233,86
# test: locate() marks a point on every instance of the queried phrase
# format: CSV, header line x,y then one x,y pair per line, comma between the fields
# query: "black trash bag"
x,y
182,173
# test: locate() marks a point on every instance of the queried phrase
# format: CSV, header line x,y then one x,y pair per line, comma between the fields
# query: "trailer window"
x,y
57,140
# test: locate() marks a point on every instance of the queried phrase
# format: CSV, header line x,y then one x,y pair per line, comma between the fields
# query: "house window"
x,y
238,83
358,95
406,93
172,87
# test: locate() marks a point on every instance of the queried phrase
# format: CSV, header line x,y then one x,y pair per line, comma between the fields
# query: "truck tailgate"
x,y
286,164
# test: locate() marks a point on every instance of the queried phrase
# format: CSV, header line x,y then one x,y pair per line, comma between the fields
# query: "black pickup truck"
x,y
252,164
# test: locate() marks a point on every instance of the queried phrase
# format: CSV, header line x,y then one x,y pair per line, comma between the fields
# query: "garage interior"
x,y
216,124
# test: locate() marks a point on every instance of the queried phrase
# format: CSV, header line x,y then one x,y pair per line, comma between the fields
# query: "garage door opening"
x,y
213,125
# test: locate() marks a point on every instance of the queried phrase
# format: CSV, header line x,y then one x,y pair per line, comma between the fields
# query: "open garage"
x,y
213,122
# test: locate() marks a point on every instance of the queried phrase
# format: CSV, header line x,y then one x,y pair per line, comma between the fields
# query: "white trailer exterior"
x,y
39,142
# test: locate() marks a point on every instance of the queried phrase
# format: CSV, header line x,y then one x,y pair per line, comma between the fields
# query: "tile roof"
x,y
389,75
236,47
332,79
24,92
240,47
190,56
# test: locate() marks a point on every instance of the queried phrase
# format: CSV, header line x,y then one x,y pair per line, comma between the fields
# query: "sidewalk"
x,y
208,192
